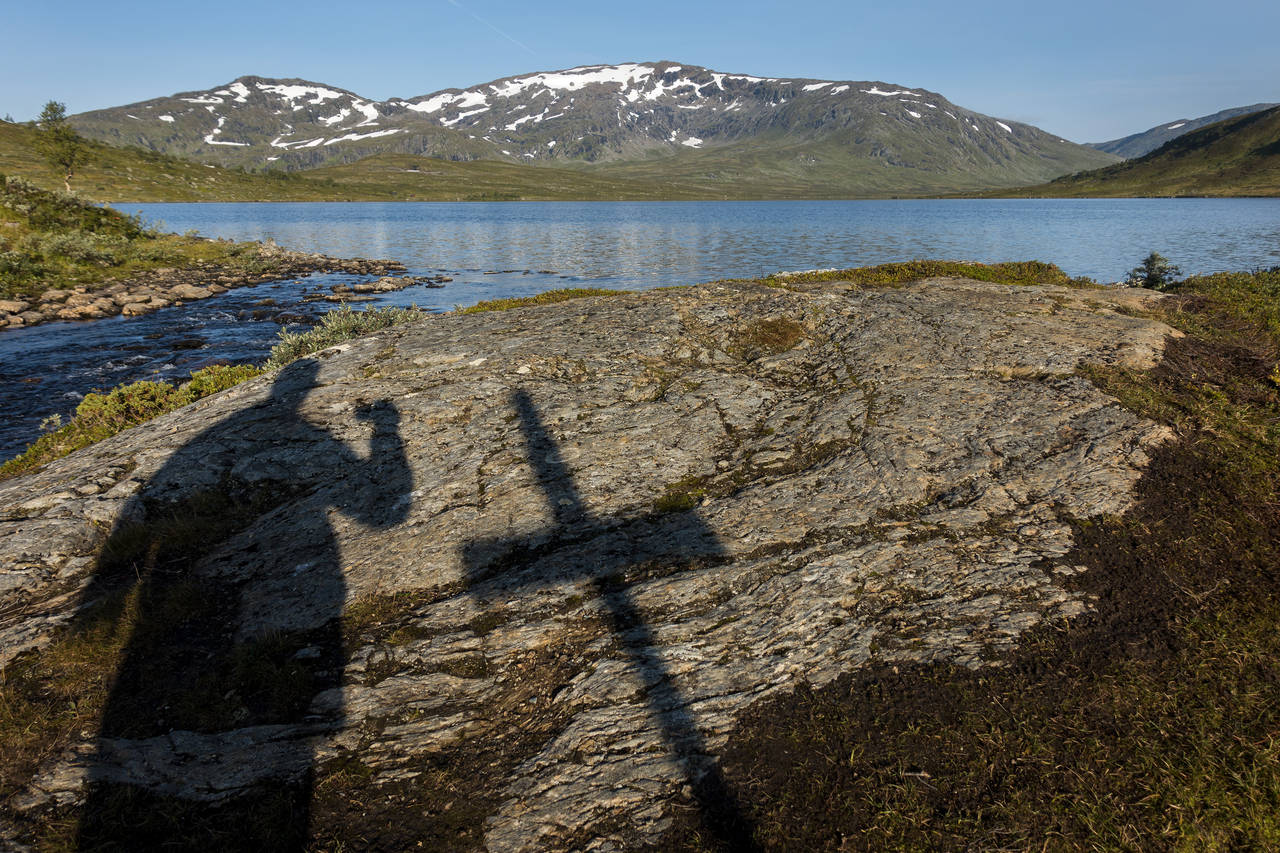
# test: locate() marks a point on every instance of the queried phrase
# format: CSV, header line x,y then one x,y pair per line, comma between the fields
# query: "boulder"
x,y
79,299
189,291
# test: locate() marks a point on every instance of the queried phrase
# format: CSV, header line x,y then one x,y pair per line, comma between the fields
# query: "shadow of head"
x,y
294,382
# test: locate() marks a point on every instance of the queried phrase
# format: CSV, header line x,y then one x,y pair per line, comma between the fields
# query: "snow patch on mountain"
x,y
659,89
369,111
237,90
462,116
294,92
436,103
210,137
351,137
575,78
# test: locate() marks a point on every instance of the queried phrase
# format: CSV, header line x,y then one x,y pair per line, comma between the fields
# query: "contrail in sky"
x,y
493,27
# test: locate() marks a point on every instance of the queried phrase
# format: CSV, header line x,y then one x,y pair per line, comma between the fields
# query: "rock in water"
x,y
569,544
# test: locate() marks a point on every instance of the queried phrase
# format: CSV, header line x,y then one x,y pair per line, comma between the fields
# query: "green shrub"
x,y
336,327
101,415
218,377
79,246
18,266
1253,297
1155,272
52,211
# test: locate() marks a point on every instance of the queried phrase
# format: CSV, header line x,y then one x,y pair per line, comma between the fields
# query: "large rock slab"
x,y
603,528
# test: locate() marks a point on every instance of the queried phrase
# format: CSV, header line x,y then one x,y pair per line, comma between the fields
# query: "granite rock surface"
x,y
594,532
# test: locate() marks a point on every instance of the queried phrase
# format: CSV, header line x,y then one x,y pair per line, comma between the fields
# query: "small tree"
x,y
1155,273
59,142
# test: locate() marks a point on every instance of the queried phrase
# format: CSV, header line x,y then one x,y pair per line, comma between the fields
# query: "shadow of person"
x,y
604,551
207,735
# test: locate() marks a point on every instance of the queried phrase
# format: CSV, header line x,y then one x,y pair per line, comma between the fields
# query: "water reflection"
x,y
643,244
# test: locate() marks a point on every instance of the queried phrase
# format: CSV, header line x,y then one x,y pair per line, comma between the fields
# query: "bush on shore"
x,y
101,415
336,327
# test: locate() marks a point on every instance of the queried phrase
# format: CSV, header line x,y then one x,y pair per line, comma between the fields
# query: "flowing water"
x,y
494,250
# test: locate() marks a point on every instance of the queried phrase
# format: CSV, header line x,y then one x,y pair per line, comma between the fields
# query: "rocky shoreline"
x,y
161,288
364,291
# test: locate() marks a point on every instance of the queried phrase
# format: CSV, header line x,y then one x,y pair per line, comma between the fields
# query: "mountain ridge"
x,y
1137,144
599,114
1236,157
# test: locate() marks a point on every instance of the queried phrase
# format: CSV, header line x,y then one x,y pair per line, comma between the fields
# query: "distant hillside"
x,y
1236,157
135,175
1138,144
131,174
735,135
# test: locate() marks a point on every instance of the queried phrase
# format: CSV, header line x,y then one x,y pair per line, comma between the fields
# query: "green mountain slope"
x,y
1236,157
131,174
134,175
776,165
1137,144
867,162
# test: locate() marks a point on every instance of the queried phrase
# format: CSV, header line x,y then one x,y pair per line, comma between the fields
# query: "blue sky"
x,y
1088,70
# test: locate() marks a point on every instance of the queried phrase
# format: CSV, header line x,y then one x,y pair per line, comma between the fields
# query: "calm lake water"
x,y
514,249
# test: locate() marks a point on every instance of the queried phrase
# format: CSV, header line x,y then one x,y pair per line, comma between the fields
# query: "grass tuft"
x,y
547,298
771,336
881,275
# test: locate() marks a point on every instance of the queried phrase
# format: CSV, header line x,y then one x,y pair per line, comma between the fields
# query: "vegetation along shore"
x,y
64,258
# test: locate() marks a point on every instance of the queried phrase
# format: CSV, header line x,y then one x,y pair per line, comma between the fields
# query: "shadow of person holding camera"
x,y
208,734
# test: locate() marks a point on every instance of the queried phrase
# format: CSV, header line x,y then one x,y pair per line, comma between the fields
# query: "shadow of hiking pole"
x,y
604,560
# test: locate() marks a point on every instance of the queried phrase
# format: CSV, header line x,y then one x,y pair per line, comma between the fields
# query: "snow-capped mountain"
x,y
599,114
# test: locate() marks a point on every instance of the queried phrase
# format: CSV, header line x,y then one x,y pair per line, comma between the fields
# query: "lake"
x,y
496,250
